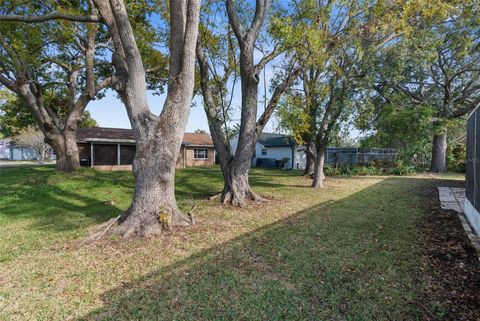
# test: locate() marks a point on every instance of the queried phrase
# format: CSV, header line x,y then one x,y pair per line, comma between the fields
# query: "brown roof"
x,y
122,134
99,133
197,139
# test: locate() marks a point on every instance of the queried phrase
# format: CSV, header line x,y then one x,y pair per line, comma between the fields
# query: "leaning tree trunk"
x,y
237,189
64,144
318,175
439,152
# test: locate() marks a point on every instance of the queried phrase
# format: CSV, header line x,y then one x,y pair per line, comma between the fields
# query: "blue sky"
x,y
110,111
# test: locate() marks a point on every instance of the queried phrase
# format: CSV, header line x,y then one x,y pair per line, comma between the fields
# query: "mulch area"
x,y
450,268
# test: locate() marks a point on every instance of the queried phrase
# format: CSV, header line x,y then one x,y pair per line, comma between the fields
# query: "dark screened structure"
x,y
472,177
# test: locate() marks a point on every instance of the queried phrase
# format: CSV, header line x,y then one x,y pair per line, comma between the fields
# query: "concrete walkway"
x,y
452,198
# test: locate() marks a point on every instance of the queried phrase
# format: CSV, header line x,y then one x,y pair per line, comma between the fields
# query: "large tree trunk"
x,y
235,168
439,152
158,138
154,207
66,150
318,175
237,190
310,159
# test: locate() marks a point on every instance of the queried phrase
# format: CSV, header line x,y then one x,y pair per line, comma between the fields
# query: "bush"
x,y
353,170
456,155
375,168
401,169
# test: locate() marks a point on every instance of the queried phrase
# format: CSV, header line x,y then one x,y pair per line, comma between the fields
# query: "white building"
x,y
271,149
8,151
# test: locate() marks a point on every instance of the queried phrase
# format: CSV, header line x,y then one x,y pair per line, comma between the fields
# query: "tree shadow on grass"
x,y
351,259
198,182
202,182
54,201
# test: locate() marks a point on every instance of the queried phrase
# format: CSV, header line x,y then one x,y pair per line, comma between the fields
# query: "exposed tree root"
x,y
128,226
101,231
240,199
215,196
190,215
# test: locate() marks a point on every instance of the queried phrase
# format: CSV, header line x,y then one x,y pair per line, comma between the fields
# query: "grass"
x,y
348,252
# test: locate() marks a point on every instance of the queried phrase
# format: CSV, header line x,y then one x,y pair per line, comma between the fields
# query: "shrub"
x,y
375,168
353,170
456,155
401,169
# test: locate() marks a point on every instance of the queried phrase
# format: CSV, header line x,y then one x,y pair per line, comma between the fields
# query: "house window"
x,y
264,151
200,153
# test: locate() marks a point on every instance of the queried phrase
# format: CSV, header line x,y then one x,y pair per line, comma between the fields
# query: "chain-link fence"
x,y
362,156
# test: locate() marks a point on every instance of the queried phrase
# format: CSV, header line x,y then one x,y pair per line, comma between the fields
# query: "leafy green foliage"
x,y
456,155
406,129
15,115
372,169
425,81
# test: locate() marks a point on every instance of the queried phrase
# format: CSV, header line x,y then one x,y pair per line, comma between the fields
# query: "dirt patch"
x,y
450,268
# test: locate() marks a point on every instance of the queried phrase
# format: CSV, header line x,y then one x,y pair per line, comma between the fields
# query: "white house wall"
x,y
24,154
278,153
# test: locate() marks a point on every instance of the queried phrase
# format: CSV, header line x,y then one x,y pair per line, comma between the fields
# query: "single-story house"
x,y
114,149
472,172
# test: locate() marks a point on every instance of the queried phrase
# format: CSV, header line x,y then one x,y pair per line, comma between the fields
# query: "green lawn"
x,y
348,252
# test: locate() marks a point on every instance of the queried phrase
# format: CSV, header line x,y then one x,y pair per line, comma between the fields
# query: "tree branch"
x,y
277,94
266,59
51,16
261,9
467,109
237,26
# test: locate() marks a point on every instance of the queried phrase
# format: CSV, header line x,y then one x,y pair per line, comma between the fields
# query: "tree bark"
x,y
439,152
153,208
318,175
236,166
237,188
66,150
310,159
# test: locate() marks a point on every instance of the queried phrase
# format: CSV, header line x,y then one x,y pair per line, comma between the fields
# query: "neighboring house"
x,y
272,148
114,149
8,151
472,193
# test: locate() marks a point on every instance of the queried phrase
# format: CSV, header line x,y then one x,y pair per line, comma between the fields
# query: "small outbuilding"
x,y
114,149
